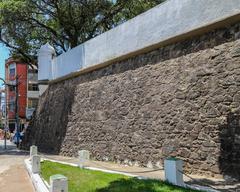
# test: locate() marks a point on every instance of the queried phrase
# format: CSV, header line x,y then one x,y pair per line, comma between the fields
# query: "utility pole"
x,y
5,131
16,111
6,121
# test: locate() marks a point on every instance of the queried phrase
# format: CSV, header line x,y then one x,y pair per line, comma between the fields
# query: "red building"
x,y
27,91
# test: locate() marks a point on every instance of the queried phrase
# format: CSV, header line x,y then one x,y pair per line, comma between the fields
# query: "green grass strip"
x,y
84,180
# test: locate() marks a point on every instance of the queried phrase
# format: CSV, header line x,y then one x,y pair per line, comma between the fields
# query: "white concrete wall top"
x,y
165,21
172,18
68,62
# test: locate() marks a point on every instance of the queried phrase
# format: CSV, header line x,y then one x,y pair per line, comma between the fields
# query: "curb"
x,y
37,181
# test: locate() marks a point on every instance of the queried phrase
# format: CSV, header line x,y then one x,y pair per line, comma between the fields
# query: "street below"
x,y
13,176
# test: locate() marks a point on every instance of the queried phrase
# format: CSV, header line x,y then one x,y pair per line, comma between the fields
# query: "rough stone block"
x,y
58,183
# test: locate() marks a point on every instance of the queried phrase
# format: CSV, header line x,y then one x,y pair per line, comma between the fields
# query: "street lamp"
x,y
5,127
16,110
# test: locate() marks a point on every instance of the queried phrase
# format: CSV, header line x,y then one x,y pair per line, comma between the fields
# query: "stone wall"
x,y
181,100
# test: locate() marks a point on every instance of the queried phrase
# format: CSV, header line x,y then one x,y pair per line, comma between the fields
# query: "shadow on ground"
x,y
136,185
14,153
225,186
11,149
139,185
8,148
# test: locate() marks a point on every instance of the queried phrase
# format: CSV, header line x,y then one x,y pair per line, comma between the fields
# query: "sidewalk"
x,y
219,184
13,176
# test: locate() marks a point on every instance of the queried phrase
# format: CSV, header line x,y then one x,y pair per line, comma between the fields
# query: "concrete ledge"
x,y
169,22
38,183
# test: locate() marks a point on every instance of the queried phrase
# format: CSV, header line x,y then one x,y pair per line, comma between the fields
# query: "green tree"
x,y
27,24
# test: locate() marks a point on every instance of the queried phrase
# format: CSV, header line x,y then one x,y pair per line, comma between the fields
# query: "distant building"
x,y
28,91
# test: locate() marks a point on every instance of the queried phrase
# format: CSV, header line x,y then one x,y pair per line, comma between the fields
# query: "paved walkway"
x,y
219,184
13,176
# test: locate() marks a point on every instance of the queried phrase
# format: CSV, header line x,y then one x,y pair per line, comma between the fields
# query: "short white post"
x,y
83,156
36,159
33,150
58,183
173,169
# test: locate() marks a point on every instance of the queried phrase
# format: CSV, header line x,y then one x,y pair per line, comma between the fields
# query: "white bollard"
x,y
33,150
58,183
173,169
83,156
36,159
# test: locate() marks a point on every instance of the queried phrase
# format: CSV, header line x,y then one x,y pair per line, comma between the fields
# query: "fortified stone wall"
x,y
181,100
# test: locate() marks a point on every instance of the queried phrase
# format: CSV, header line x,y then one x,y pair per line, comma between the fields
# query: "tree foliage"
x,y
27,24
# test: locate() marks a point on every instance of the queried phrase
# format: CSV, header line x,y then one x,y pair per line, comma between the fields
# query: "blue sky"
x,y
4,54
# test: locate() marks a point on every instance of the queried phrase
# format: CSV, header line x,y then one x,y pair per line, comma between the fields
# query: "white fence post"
x,y
173,169
83,156
33,150
36,159
58,183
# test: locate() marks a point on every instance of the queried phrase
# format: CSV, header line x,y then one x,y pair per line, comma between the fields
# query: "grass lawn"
x,y
83,180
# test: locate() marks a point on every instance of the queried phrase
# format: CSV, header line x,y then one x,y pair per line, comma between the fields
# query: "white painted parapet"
x,y
69,62
58,183
33,150
166,23
173,169
35,160
45,62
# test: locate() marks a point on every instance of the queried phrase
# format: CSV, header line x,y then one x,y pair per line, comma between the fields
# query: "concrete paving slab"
x,y
13,176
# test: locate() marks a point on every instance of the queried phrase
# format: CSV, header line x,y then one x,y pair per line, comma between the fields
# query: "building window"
x,y
33,71
11,88
12,70
33,87
32,103
32,77
11,104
